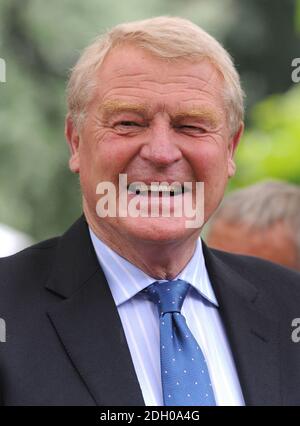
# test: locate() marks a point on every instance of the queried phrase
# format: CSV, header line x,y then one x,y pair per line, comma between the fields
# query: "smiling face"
x,y
156,121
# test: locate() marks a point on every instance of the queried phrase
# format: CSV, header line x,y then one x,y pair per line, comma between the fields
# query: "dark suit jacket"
x,y
66,346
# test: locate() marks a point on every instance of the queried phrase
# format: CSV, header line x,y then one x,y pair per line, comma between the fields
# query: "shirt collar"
x,y
126,280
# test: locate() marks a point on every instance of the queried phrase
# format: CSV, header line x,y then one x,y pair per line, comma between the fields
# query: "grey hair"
x,y
261,205
169,38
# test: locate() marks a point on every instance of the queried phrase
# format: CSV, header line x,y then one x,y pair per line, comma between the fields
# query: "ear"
x,y
73,139
231,150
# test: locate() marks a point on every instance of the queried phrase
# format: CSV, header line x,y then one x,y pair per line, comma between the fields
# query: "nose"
x,y
161,149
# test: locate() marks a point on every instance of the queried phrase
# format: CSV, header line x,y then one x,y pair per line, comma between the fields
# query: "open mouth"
x,y
156,189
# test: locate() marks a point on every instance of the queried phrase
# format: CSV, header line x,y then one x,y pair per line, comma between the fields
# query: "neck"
x,y
160,260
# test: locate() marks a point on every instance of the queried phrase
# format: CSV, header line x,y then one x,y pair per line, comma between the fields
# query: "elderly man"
x,y
261,220
133,309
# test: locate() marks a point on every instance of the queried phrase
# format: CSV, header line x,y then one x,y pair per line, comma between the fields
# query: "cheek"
x,y
105,155
114,154
210,166
209,162
88,181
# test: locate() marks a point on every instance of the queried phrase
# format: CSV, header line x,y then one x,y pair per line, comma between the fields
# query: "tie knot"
x,y
168,296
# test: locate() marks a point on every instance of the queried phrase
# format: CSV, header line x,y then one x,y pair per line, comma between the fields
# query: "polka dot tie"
x,y
185,377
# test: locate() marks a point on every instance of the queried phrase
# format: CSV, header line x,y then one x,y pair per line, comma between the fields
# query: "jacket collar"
x,y
75,260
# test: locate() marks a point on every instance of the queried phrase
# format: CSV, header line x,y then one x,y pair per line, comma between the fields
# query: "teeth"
x,y
163,188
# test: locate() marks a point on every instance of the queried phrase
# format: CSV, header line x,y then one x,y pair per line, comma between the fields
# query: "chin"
x,y
160,230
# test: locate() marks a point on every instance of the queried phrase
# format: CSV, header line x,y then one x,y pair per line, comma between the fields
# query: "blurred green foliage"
x,y
297,16
41,40
271,147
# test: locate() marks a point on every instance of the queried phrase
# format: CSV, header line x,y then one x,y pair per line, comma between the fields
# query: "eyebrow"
x,y
115,107
201,113
198,113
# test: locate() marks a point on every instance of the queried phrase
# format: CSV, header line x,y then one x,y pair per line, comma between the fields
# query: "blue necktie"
x,y
185,377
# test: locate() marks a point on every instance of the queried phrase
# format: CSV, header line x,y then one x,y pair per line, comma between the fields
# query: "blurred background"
x,y
41,40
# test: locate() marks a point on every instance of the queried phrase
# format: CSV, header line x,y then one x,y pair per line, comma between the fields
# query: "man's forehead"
x,y
133,67
128,58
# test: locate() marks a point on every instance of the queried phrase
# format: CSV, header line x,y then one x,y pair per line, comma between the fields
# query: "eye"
x,y
128,126
191,129
127,123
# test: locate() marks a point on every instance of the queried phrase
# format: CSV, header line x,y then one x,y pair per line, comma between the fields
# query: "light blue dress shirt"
x,y
140,322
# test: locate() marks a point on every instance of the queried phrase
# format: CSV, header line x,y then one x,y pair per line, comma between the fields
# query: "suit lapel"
x,y
253,336
88,324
